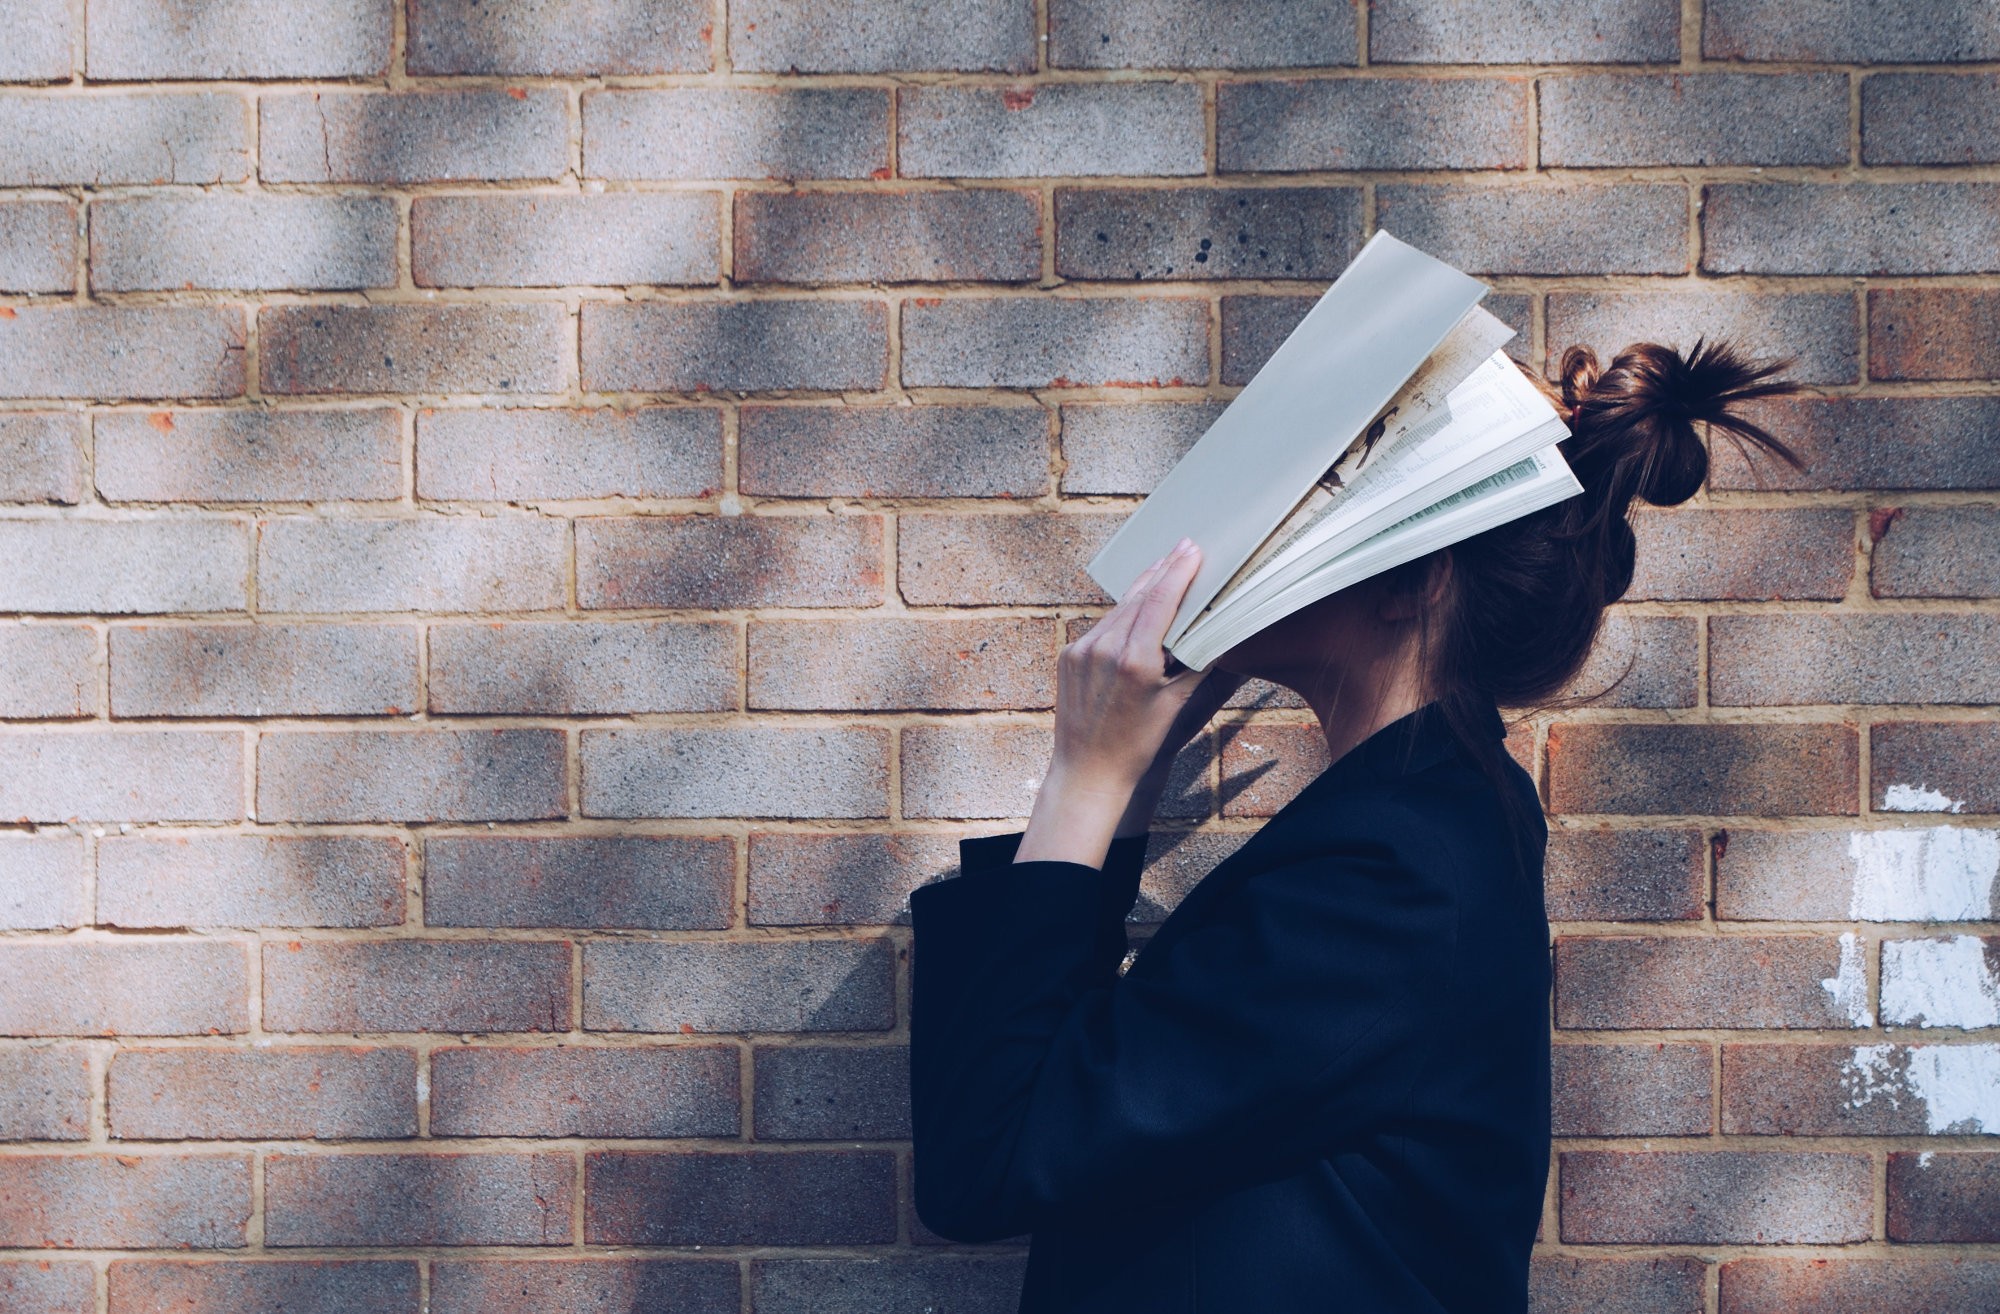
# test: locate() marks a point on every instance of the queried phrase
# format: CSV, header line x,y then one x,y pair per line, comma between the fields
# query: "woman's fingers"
x,y
1155,608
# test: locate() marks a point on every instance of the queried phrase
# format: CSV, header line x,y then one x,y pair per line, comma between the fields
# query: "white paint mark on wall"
x,y
1937,874
1943,982
1919,798
1849,985
1956,1086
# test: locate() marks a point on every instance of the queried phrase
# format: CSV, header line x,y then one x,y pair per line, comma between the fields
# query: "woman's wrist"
x,y
1075,817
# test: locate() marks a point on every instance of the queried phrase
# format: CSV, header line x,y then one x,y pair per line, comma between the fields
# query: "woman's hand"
x,y
1120,720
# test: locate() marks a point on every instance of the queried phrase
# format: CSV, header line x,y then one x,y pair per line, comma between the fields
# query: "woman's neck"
x,y
1356,704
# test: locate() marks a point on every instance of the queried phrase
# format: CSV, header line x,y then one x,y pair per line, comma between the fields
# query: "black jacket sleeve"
x,y
1044,1086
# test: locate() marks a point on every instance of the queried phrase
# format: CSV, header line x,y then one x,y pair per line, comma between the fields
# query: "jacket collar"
x,y
1405,746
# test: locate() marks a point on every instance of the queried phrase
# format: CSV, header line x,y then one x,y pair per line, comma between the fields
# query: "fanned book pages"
x,y
1389,424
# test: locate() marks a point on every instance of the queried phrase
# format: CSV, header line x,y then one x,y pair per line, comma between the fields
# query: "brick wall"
x,y
531,527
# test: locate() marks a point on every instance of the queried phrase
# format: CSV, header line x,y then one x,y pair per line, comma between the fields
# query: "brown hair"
x,y
1514,618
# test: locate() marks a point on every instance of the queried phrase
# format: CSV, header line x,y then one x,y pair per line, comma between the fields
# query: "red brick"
x,y
724,562
41,457
38,246
1933,333
1523,32
473,134
832,1093
603,37
1913,658
893,451
1264,766
430,563
1959,761
1910,1284
836,879
169,880
487,347
1035,559
1055,342
803,1197
131,39
1309,124
736,771
1640,661
739,985
1181,233
416,985
1709,770
151,987
1632,1090
418,1199
122,775
563,1286
1872,443
257,670
253,241
901,665
302,1286
1847,1090
114,352
1822,329
660,1092
737,346
165,565
982,234
855,36
542,240
411,775
1850,228
1720,1197
1061,130
522,454
1944,1197
263,1094
1597,874
1566,228
1654,1284
1842,31
638,882
1625,120
1128,448
131,137
1937,552
249,455
48,672
1671,982
571,668
1728,554
152,1201
736,132
41,1286
1811,875
44,1096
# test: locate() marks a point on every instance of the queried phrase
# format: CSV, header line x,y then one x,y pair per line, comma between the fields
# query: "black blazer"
x,y
1322,1085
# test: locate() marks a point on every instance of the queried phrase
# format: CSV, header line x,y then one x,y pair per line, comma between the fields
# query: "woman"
x,y
1324,1083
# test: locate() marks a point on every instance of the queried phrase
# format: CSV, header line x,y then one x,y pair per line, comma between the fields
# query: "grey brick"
x,y
287,1092
48,671
1849,31
1821,328
1873,443
265,241
1120,448
1055,342
763,985
411,775
41,885
579,38
44,1096
973,770
153,1201
1673,982
35,46
887,664
1934,333
135,137
1524,32
1647,1089
1373,123
737,771
124,565
1641,661
1183,233
738,346
249,454
1930,118
128,40
832,1093
842,879
1939,766
1032,560
122,775
1611,119
417,985
44,1286
308,1286
656,1092
534,240
985,1284
1787,660
428,564
486,134
37,246
263,670
982,234
1938,552
582,668
1728,553
1603,875
736,132
152,986
525,454
250,880
723,562
893,451
638,882
1253,327
434,348
556,1286
1567,228
418,1199
1051,130
856,36
107,353
1851,228
1187,34
41,457
733,1197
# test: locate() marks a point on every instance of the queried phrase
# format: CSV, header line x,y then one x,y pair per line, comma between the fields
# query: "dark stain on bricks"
x,y
1018,98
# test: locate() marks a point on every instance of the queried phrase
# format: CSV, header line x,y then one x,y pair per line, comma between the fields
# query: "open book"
x,y
1389,424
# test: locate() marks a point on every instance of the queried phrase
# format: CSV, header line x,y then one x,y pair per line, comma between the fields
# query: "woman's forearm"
x,y
1075,817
